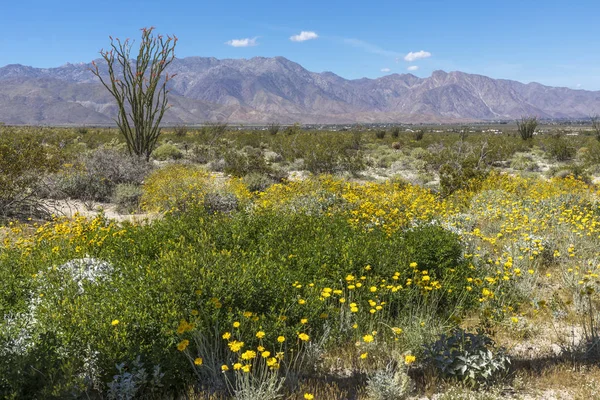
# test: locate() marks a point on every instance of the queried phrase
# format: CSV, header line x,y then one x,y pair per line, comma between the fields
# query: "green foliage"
x,y
395,132
180,130
459,166
256,182
274,128
380,134
140,90
470,357
243,162
167,151
526,127
419,134
96,174
23,162
560,149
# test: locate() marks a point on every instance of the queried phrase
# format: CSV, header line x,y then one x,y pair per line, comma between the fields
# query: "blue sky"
x,y
552,42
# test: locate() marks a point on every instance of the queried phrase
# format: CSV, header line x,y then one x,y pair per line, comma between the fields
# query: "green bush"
x,y
24,161
256,182
469,357
243,162
167,151
559,149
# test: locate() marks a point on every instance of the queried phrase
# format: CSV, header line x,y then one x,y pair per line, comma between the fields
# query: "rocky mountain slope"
x,y
262,90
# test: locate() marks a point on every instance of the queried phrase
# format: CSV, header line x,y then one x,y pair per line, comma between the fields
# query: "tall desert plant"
x,y
526,127
139,87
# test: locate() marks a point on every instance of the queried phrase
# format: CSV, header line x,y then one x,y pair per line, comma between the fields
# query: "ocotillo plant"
x,y
139,87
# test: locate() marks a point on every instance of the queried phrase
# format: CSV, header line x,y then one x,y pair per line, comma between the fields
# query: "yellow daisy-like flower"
x,y
281,339
115,322
364,355
409,359
308,396
301,301
368,338
198,361
304,337
235,346
265,354
248,355
260,334
236,324
236,366
246,368
271,362
226,335
304,321
183,345
224,368
397,331
514,320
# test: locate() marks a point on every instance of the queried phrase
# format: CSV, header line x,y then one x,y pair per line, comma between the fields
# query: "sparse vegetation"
x,y
526,127
298,258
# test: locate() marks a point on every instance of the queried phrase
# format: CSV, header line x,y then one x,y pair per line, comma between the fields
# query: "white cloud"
x,y
385,70
246,42
413,68
304,36
410,57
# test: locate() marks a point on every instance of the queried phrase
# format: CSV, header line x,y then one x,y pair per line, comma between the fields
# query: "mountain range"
x,y
262,90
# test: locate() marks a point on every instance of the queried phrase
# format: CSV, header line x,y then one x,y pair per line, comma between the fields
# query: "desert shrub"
x,y
576,171
256,182
329,153
419,153
560,149
180,130
273,128
380,134
133,380
292,129
469,357
418,134
396,145
167,151
24,161
216,129
526,127
94,176
395,132
523,162
176,187
459,166
127,197
220,202
391,383
243,162
202,154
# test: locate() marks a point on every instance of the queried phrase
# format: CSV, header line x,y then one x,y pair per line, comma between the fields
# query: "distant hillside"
x,y
261,90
